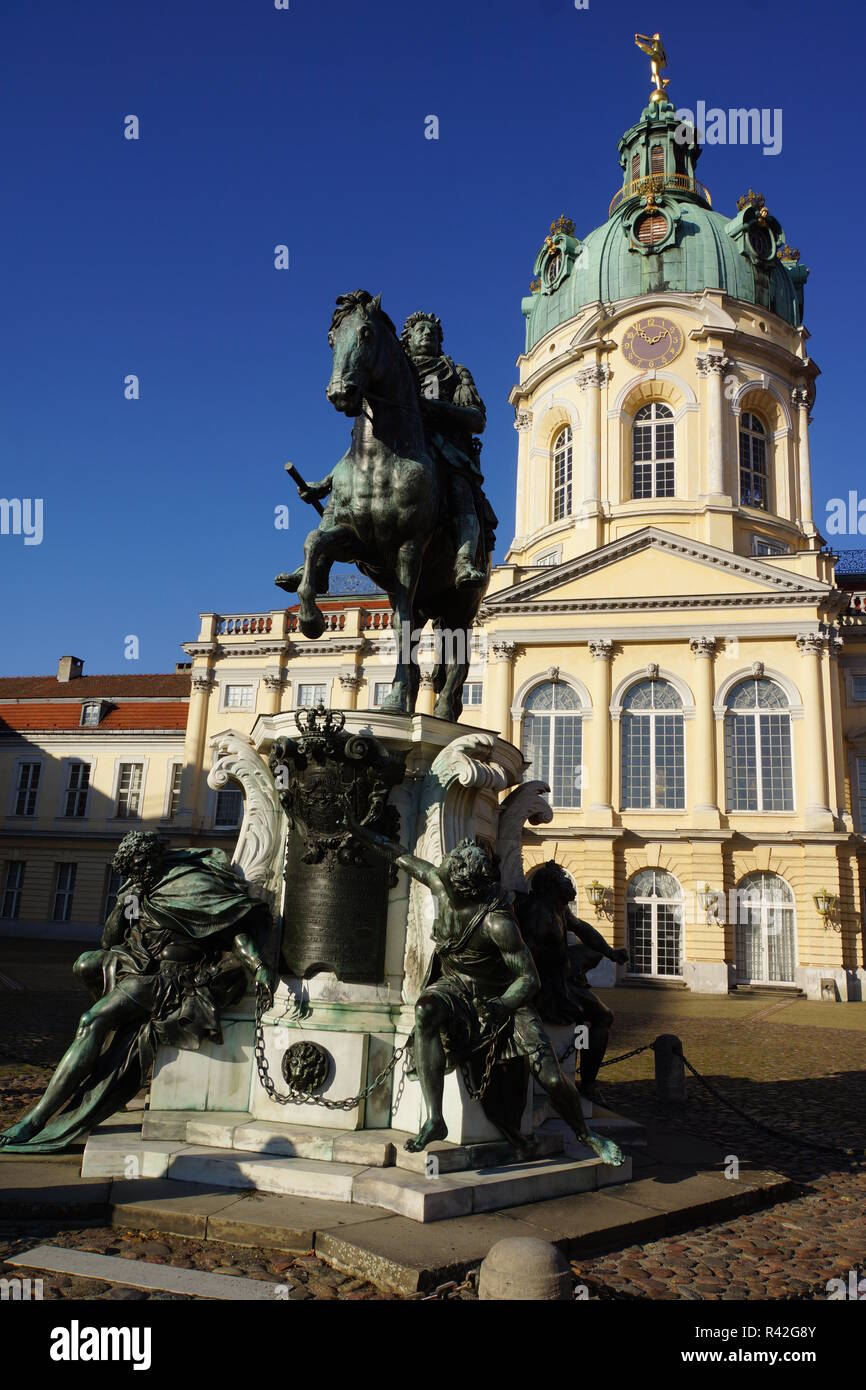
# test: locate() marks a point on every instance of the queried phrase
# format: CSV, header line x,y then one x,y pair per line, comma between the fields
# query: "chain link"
x,y
298,1097
489,1064
443,1292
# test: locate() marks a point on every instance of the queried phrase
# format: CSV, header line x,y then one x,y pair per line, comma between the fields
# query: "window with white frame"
x,y
761,546
473,692
381,691
653,748
654,919
764,930
562,466
229,808
550,557
653,462
91,713
758,768
64,889
310,695
27,788
113,880
77,790
10,905
175,773
129,782
553,741
238,697
753,461
861,794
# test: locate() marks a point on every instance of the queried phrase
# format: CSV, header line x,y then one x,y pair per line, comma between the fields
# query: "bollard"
x,y
670,1070
524,1268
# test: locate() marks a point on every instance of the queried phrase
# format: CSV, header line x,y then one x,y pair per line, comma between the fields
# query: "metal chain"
x,y
624,1056
298,1097
488,1067
452,1289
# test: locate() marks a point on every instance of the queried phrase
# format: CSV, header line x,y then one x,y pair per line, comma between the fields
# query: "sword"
x,y
297,479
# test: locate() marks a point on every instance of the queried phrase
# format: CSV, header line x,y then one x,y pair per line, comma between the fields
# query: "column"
x,y
500,661
193,749
426,694
349,686
835,648
273,683
817,812
800,401
713,365
590,380
597,755
703,779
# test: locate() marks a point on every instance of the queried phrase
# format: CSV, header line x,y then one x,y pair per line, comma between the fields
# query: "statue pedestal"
x,y
210,1119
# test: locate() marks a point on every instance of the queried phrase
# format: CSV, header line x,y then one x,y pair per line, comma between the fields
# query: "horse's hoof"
x,y
312,627
289,582
394,704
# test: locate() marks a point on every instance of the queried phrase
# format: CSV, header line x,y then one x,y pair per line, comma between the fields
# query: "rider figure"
x,y
453,414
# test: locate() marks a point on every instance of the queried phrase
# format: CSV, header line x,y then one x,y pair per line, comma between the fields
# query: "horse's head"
x,y
356,338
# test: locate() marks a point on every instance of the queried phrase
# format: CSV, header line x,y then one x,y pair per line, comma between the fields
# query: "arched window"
x,y
653,451
653,753
765,930
635,168
654,919
552,741
758,774
562,474
657,159
753,462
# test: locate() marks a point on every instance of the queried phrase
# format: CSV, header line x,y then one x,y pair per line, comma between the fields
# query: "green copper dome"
x,y
663,235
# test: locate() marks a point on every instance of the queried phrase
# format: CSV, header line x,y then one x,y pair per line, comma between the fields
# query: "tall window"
x,y
129,791
861,793
473,692
381,691
229,809
654,917
562,474
27,789
77,789
753,462
176,774
64,888
758,774
552,741
858,684
310,695
653,752
10,905
635,168
764,930
113,881
657,159
653,451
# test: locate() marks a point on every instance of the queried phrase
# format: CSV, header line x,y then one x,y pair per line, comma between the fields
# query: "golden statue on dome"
x,y
654,49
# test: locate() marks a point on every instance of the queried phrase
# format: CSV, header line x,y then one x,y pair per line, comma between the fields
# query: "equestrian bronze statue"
x,y
405,502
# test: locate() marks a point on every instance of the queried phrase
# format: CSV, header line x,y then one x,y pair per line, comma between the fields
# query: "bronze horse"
x,y
385,509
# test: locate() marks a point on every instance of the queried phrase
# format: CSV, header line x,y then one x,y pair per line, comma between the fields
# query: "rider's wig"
x,y
138,857
550,878
419,317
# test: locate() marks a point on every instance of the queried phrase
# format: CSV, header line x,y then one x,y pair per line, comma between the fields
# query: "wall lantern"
x,y
828,909
597,894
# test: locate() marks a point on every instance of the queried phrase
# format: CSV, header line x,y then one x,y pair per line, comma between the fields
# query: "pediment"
x,y
654,568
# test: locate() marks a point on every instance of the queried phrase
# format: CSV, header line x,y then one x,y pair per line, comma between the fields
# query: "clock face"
x,y
652,342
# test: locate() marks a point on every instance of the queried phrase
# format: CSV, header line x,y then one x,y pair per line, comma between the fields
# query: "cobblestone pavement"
x,y
799,1067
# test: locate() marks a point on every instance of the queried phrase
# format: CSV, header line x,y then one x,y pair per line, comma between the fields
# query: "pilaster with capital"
x,y
713,366
272,680
704,778
817,812
590,380
426,694
347,687
800,402
500,662
600,807
835,647
201,684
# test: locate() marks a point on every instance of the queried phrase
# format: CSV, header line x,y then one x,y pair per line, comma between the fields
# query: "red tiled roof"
x,y
168,685
131,714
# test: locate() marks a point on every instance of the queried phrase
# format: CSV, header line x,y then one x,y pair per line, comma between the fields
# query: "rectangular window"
x,y
861,792
77,790
112,888
176,774
238,697
64,887
91,714
741,763
550,558
635,168
567,743
129,791
776,780
761,546
27,789
657,159
636,764
858,687
10,906
229,809
473,692
310,695
381,691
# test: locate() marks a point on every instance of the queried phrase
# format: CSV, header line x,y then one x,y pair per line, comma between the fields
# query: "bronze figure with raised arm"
x,y
479,987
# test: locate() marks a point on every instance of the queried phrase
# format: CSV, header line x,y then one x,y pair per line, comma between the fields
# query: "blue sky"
x,y
306,127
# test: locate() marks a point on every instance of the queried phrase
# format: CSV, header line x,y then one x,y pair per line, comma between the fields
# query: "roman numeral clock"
x,y
652,342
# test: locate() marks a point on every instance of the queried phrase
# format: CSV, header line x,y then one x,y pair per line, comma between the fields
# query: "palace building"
x,y
669,639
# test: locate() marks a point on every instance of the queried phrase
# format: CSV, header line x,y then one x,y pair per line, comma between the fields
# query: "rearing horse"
x,y
384,512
